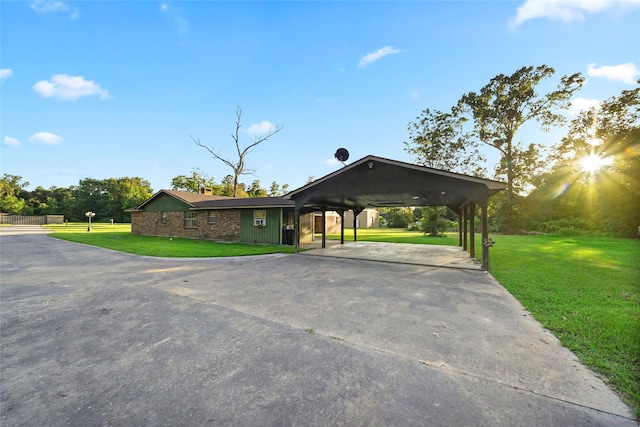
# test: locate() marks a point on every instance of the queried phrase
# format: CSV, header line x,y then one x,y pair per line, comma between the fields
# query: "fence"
x,y
31,219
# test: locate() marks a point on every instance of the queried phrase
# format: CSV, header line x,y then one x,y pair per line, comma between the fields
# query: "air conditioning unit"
x,y
260,222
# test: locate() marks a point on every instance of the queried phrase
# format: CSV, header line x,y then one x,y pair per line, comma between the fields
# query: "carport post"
x,y
324,228
465,217
460,219
296,228
472,231
355,222
341,213
485,239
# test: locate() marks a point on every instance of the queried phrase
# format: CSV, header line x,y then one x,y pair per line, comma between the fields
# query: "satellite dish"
x,y
342,155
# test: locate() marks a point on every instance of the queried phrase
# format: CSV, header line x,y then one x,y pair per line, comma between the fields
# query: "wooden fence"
x,y
31,219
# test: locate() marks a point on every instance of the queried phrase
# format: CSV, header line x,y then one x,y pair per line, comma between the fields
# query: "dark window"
x,y
163,217
191,220
211,217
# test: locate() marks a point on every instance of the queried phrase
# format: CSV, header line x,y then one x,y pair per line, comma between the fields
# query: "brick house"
x,y
263,220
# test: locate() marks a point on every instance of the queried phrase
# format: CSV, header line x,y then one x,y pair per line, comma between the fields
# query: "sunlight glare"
x,y
592,163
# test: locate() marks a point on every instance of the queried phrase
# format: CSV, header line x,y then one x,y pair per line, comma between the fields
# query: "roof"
x,y
184,196
378,182
198,201
247,202
195,197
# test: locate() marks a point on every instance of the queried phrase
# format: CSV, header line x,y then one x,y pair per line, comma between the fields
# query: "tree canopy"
x,y
507,102
437,140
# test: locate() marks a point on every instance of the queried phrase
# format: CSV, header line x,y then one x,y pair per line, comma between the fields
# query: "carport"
x,y
378,182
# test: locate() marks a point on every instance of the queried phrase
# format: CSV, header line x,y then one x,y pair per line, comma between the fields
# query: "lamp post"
x,y
89,215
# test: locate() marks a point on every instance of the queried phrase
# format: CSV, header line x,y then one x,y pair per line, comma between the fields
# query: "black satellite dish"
x,y
342,155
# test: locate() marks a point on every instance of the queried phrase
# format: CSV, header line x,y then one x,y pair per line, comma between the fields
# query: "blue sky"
x,y
117,88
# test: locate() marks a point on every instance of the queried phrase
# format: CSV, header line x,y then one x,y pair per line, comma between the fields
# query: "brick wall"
x,y
226,225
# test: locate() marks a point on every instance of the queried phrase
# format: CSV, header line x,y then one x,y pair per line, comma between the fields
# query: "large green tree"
x,y
506,103
437,140
11,187
277,190
194,182
108,198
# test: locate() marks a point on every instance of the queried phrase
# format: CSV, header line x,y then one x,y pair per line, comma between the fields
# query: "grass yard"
x,y
395,235
586,290
118,237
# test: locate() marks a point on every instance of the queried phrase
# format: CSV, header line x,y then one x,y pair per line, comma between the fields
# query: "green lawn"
x,y
586,290
118,237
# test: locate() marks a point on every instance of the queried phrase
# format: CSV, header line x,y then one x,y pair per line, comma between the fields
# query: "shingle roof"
x,y
213,201
185,196
248,202
192,198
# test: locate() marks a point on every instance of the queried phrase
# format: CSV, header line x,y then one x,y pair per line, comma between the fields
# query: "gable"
x,y
166,203
378,182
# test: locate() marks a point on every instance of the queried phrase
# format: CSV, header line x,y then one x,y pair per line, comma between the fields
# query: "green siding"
x,y
269,234
166,203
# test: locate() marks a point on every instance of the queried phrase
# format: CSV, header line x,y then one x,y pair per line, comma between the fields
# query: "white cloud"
x,y
46,138
581,104
261,128
46,6
10,142
332,162
67,87
5,73
566,10
626,73
372,57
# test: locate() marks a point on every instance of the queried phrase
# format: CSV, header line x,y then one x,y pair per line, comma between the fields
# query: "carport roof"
x,y
378,182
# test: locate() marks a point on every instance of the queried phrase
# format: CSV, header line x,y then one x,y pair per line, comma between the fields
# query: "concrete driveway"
x,y
94,337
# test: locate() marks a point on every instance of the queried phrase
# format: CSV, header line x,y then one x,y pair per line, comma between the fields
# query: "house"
x,y
368,218
369,182
266,220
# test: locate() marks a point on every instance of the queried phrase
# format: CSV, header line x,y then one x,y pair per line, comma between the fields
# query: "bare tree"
x,y
238,165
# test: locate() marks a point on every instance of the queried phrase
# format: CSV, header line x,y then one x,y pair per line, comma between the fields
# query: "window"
x,y
191,220
260,217
163,217
211,217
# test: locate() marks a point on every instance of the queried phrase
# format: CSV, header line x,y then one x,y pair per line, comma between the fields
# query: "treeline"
x,y
587,182
109,198
199,179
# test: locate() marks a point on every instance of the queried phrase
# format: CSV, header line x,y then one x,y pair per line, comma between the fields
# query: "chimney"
x,y
204,190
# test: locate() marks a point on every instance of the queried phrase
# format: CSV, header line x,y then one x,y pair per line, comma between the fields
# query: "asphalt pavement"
x,y
93,337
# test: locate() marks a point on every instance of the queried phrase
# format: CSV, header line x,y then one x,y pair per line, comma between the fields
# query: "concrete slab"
x,y
96,337
430,255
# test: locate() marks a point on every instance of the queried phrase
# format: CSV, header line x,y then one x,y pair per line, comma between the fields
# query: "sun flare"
x,y
593,163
